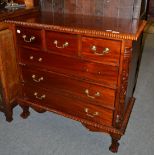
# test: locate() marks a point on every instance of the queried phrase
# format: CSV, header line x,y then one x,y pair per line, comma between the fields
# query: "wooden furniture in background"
x,y
7,53
79,59
34,2
7,14
8,71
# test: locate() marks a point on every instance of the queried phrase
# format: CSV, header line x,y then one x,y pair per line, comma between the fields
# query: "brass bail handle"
x,y
91,114
105,50
63,45
97,94
39,59
39,97
32,38
37,80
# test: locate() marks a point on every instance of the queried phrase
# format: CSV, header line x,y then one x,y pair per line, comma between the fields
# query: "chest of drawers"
x,y
56,74
84,74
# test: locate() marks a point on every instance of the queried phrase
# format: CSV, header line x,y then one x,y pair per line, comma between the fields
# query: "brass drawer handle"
x,y
32,58
37,80
105,51
40,59
63,46
39,97
92,97
91,114
28,40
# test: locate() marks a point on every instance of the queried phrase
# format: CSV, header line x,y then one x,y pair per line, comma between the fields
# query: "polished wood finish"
x,y
70,86
101,27
102,52
65,104
80,61
94,72
62,43
25,37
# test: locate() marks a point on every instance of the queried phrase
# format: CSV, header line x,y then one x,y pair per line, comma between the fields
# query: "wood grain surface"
x,y
109,8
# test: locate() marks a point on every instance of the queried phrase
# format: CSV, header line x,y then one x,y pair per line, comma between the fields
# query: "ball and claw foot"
x,y
24,114
114,146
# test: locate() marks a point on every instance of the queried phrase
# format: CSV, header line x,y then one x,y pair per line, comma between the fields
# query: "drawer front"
x,y
29,37
85,91
67,105
101,50
98,73
62,43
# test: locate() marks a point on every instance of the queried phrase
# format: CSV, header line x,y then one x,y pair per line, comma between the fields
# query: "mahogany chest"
x,y
83,67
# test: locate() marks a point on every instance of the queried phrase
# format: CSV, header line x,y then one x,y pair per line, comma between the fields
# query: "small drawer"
x,y
74,107
62,43
84,70
90,93
101,50
29,37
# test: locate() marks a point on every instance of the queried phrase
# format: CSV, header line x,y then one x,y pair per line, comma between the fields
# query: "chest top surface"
x,y
83,24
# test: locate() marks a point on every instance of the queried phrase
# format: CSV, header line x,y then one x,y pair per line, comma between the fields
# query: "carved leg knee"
x,y
115,144
25,112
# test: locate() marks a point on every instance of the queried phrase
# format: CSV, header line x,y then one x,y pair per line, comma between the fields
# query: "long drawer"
x,y
86,70
67,105
85,91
